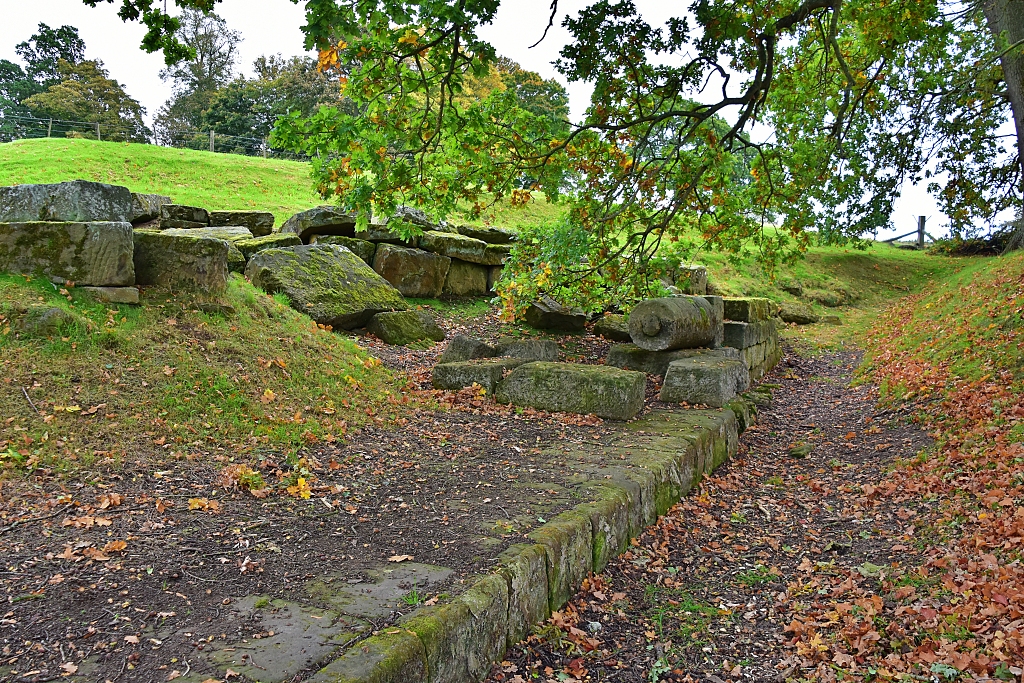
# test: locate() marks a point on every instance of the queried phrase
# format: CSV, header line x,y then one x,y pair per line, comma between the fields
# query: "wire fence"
x,y
13,127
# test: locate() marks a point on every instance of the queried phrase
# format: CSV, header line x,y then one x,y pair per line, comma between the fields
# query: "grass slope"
x,y
213,181
166,378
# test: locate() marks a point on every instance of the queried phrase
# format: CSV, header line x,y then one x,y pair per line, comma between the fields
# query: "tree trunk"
x,y
1005,18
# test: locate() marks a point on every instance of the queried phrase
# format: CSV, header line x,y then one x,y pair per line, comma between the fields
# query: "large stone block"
x,y
391,656
361,248
678,322
493,277
609,521
489,234
742,335
146,207
378,232
466,279
258,244
462,348
525,570
463,248
705,380
414,273
747,309
548,314
586,389
326,282
226,233
260,223
692,280
323,220
484,372
569,550
98,254
614,327
181,262
173,213
796,312
77,201
113,295
404,327
632,357
527,349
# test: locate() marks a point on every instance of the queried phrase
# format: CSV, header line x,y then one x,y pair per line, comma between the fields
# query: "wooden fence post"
x,y
212,142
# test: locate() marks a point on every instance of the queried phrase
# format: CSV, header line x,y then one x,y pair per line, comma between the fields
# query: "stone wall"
x,y
751,330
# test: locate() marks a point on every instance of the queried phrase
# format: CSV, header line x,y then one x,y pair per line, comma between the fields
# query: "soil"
x,y
703,595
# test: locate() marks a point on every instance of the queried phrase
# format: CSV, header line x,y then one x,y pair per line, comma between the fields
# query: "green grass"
x,y
212,181
165,379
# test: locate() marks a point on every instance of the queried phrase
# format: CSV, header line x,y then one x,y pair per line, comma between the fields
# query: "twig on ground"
x,y
24,393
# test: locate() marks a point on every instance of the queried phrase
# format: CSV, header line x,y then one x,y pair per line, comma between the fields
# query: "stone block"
x,y
462,348
466,279
146,207
493,277
181,212
180,262
744,411
326,282
391,656
414,273
412,216
678,322
568,547
258,244
377,233
704,380
456,246
527,349
692,280
113,295
796,312
361,248
226,233
747,309
525,570
488,234
259,223
96,254
399,328
50,321
323,220
77,201
609,522
742,335
485,372
614,327
632,357
548,314
718,306
173,224
585,389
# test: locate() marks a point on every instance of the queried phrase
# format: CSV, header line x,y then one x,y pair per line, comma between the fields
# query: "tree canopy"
x,y
860,97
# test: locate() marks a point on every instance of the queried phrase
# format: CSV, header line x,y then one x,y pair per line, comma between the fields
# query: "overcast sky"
x,y
273,26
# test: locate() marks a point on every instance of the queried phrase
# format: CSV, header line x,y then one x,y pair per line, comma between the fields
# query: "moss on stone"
x,y
586,389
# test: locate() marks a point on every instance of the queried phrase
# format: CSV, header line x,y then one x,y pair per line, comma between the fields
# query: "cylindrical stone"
x,y
678,322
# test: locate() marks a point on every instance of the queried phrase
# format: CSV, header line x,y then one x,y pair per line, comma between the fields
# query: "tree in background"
x,y
41,54
85,92
212,50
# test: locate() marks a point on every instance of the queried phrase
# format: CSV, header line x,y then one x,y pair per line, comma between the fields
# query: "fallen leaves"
x,y
400,558
204,504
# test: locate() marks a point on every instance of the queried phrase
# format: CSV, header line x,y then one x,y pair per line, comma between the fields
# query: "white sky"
x,y
273,26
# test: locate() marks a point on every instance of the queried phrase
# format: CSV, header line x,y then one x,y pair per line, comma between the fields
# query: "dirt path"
x,y
705,594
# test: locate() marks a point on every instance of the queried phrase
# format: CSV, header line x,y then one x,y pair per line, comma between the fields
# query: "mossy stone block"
x,y
525,570
361,248
704,380
462,348
180,262
613,326
415,273
609,521
527,349
632,357
322,220
466,279
485,372
399,328
98,254
258,244
75,201
568,546
747,309
585,389
260,223
395,655
456,246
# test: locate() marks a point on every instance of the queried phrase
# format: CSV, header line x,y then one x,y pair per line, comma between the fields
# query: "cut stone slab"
x,y
747,309
97,254
585,389
718,306
704,380
489,234
182,212
743,335
414,273
527,349
181,262
795,312
462,348
381,595
692,280
484,372
569,549
380,232
548,314
146,207
326,282
323,220
613,326
172,224
412,216
260,223
678,322
77,201
525,569
113,295
258,244
361,248
394,656
632,357
226,233
399,328
460,247
466,279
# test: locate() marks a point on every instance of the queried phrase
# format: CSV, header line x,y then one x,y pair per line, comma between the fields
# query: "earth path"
x,y
704,595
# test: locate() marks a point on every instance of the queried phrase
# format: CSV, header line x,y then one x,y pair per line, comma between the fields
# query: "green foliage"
x,y
86,93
